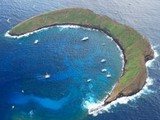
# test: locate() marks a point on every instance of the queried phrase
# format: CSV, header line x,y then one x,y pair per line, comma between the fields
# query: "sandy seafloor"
x,y
143,15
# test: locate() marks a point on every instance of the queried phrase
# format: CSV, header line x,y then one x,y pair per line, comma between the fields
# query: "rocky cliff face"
x,y
136,84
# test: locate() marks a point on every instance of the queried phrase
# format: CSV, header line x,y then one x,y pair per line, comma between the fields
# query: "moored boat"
x,y
103,60
89,80
36,41
47,76
104,70
85,38
108,75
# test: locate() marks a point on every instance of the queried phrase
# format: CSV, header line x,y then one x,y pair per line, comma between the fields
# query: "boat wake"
x,y
96,107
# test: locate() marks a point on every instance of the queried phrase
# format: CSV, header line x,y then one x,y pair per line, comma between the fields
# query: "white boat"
x,y
13,106
103,60
89,80
36,41
108,75
85,38
22,91
104,70
47,76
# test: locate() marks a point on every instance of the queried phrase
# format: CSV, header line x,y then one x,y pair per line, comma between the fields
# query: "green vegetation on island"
x,y
136,48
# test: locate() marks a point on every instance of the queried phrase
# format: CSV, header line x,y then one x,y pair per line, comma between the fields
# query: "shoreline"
x,y
125,99
136,49
7,34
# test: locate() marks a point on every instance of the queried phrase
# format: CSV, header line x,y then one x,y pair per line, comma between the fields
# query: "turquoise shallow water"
x,y
70,62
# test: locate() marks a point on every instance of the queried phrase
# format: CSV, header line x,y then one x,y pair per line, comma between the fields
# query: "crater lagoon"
x,y
56,74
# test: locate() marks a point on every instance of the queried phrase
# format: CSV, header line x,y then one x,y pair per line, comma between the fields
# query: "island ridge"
x,y
135,47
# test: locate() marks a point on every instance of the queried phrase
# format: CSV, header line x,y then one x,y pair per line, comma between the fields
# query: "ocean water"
x,y
74,66
61,54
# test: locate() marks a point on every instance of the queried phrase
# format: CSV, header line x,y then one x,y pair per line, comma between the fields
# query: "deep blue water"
x,y
61,54
70,61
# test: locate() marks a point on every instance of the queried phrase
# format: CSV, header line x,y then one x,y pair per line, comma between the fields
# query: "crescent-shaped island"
x,y
135,47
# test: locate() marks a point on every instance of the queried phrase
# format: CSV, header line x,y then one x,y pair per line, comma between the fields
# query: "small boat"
x,y
85,38
104,70
22,91
8,20
103,60
108,75
47,76
89,80
13,106
36,41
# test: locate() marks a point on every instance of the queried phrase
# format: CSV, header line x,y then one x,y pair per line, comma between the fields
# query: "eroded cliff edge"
x,y
136,84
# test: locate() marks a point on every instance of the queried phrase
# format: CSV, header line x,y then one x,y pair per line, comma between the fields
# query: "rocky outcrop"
x,y
135,85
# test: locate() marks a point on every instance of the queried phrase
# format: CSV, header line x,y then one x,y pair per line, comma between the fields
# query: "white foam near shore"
x,y
120,50
62,27
68,26
42,29
149,64
122,57
46,28
96,107
24,35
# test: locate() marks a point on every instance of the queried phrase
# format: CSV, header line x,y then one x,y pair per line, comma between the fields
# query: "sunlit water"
x,y
34,102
